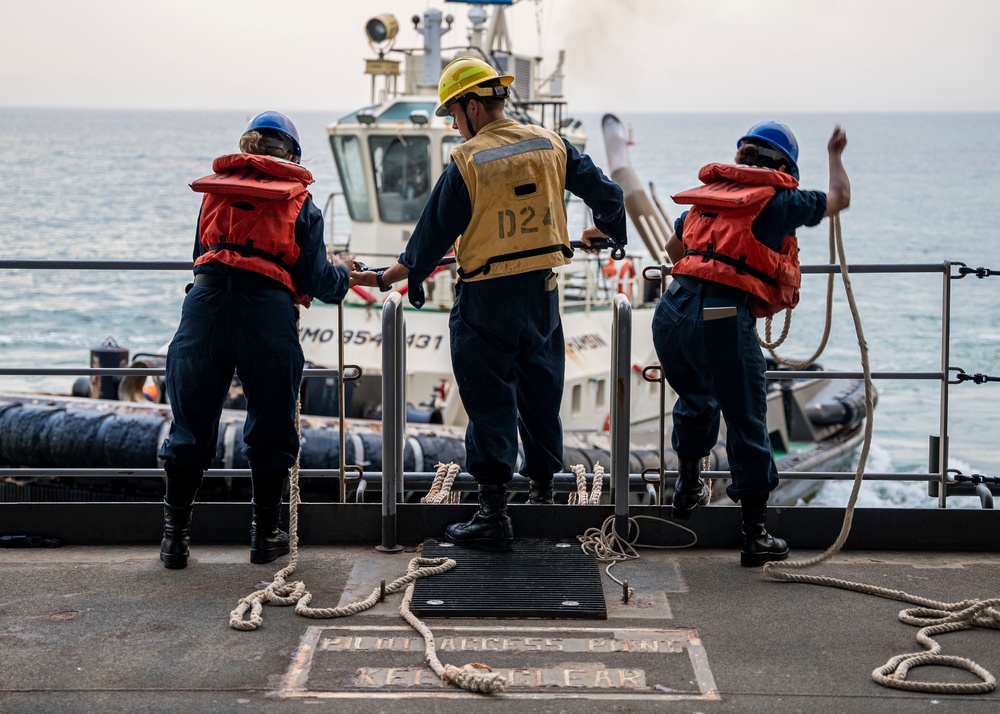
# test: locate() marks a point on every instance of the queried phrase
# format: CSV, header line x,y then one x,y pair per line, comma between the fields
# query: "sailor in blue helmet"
x,y
735,258
503,194
259,255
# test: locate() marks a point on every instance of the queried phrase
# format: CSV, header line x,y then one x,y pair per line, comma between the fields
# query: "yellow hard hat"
x,y
464,75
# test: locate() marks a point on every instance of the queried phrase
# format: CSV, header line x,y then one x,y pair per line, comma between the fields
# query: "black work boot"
x,y
176,536
540,492
267,541
759,546
182,486
689,491
490,528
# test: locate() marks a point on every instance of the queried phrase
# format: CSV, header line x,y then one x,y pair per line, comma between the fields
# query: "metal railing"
x,y
343,373
394,404
939,483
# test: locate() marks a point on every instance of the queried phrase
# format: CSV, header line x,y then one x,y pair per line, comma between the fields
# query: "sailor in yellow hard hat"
x,y
500,204
467,76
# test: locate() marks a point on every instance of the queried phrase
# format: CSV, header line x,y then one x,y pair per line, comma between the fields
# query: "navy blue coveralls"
x,y
246,325
507,348
717,365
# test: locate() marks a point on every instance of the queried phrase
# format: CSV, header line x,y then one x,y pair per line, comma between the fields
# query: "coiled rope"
x,y
474,677
934,617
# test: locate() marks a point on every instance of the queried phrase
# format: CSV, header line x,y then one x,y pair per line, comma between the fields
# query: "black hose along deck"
x,y
538,578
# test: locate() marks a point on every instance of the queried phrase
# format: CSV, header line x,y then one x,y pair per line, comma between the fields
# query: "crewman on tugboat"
x,y
736,259
500,203
259,255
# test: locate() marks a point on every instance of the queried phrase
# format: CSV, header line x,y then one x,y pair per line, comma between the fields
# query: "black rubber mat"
x,y
538,578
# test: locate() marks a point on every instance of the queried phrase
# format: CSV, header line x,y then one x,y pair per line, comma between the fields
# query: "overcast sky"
x,y
622,55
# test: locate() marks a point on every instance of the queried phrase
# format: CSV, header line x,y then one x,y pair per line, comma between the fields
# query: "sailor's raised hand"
x,y
838,141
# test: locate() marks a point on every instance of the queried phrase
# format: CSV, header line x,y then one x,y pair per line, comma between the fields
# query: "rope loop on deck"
x,y
934,617
474,677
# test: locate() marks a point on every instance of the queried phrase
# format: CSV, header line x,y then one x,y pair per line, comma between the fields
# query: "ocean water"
x,y
113,185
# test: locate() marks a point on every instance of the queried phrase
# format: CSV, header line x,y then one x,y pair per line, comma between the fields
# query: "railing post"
x,y
341,413
945,364
621,408
393,415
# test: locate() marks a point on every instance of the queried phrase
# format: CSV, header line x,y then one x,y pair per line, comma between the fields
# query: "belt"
x,y
247,282
706,288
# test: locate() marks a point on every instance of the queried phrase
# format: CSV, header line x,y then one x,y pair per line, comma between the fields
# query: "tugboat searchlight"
x,y
381,28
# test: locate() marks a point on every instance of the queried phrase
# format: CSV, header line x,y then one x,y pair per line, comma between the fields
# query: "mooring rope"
x,y
770,346
580,497
474,677
444,479
934,617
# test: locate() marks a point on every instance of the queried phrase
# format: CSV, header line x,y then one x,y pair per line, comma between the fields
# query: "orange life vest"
x,y
719,244
248,215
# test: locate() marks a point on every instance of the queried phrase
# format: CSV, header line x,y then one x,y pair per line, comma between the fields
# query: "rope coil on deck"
x,y
934,617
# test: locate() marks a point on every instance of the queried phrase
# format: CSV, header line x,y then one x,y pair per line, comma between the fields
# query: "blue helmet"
x,y
276,121
778,136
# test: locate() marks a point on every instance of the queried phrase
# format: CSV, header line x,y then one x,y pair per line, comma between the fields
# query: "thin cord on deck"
x,y
605,543
934,617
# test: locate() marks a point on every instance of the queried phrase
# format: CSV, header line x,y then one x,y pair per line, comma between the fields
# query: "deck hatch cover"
x,y
538,578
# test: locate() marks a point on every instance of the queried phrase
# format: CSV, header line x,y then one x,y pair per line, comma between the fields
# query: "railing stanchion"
x,y
621,408
393,416
945,360
341,413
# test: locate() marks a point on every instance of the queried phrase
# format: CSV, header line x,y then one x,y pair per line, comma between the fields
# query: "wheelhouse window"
x,y
448,144
347,154
402,166
400,111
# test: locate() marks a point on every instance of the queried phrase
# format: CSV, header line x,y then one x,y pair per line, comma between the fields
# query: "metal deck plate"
x,y
538,578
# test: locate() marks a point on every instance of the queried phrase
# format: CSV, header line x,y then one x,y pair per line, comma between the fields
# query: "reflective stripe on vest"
x,y
505,152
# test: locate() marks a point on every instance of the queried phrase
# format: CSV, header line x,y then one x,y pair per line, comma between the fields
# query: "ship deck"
x,y
99,628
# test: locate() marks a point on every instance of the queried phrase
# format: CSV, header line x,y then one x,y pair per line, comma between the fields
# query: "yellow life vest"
x,y
516,177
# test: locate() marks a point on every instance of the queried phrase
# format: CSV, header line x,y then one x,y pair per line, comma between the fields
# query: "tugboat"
x,y
389,154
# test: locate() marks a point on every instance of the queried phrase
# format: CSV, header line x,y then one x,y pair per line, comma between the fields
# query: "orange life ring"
x,y
609,270
626,278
